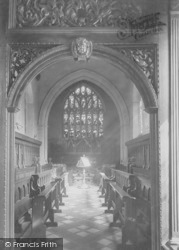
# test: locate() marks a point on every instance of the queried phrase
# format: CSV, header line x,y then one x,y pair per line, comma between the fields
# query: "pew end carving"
x,y
104,188
37,198
35,189
23,207
129,201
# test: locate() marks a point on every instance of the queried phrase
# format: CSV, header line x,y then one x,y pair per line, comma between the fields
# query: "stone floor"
x,y
83,225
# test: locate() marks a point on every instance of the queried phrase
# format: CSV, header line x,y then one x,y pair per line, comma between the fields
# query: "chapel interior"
x,y
89,123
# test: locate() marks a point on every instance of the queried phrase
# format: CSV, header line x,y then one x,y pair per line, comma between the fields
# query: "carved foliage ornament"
x,y
144,58
81,49
74,13
20,57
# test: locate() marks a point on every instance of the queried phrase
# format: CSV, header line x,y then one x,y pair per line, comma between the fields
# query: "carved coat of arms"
x,y
81,49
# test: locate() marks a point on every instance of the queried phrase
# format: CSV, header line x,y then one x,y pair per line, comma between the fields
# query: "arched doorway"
x,y
121,63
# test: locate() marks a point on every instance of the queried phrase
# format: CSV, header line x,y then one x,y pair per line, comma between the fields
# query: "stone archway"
x,y
146,90
104,53
98,80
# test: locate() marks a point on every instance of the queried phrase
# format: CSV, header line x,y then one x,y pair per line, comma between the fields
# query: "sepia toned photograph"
x,y
89,124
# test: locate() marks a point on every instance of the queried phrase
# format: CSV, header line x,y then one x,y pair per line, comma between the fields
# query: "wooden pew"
x,y
61,175
123,204
24,210
144,188
45,177
29,205
122,178
44,206
102,186
130,199
23,222
105,188
138,229
23,204
124,182
62,188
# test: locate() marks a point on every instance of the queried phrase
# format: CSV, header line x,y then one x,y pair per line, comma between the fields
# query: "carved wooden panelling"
x,y
139,152
145,58
21,56
26,150
75,13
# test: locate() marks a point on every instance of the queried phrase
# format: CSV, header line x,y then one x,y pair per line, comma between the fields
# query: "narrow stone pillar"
x,y
155,187
43,137
3,116
10,174
174,129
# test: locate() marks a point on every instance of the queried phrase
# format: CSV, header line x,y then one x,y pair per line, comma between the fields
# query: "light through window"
x,y
83,118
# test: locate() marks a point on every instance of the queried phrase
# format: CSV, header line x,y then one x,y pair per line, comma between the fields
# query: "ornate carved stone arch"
x,y
63,52
145,88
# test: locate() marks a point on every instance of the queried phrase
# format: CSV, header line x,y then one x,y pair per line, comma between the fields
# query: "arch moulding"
x,y
59,53
146,90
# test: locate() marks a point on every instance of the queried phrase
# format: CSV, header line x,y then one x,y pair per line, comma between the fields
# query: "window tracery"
x,y
83,120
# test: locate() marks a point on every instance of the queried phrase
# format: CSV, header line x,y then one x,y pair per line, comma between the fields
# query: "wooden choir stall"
x,y
37,197
126,194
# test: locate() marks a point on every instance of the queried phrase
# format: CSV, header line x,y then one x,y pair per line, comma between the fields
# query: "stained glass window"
x,y
83,116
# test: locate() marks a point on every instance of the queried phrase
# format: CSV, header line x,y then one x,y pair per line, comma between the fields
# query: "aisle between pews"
x,y
84,224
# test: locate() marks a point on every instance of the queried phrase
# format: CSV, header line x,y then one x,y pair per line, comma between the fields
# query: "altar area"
x,y
76,176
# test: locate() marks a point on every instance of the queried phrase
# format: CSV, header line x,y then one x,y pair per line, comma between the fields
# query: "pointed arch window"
x,y
83,119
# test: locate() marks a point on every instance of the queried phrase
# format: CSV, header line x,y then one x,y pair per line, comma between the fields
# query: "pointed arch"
x,y
62,53
121,63
96,79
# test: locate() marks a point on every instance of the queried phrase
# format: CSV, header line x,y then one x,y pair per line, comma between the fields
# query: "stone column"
x,y
3,117
155,187
10,174
174,130
43,137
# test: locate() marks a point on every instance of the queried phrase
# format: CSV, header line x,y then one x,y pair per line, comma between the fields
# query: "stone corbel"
x,y
151,110
13,109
